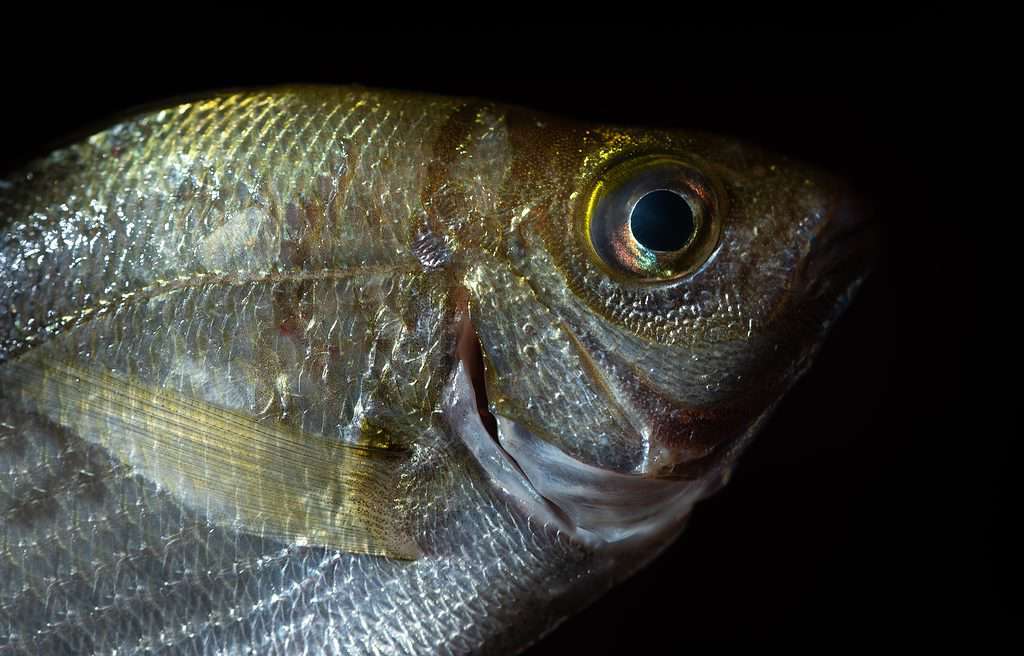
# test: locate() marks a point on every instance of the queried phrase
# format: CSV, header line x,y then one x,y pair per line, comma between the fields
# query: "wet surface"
x,y
850,514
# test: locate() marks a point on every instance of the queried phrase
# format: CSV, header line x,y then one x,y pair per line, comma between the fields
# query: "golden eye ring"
x,y
652,219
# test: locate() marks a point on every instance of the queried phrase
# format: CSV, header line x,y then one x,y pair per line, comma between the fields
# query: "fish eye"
x,y
652,219
662,221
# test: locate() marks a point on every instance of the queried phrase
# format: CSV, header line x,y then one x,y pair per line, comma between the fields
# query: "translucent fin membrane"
x,y
258,477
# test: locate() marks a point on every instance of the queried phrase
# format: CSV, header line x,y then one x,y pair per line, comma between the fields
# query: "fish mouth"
x,y
594,506
847,247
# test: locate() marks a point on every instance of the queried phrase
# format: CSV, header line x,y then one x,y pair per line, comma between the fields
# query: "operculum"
x,y
538,377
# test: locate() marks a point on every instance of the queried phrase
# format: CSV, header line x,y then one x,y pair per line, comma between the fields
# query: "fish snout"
x,y
845,249
691,441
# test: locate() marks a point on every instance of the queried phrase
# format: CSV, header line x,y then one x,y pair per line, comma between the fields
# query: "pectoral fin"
x,y
259,477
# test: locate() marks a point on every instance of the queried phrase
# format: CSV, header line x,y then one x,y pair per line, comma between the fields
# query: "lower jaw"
x,y
599,508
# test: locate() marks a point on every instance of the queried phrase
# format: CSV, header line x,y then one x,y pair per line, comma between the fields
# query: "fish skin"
x,y
307,256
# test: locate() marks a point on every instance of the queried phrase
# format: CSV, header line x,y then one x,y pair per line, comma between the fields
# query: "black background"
x,y
866,509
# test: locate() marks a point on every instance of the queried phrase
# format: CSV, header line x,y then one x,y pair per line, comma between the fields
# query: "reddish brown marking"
x,y
443,198
288,327
312,217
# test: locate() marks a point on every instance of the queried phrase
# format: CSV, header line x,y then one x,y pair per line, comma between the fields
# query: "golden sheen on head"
x,y
671,272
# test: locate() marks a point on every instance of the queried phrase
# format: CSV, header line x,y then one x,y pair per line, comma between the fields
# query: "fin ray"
x,y
259,477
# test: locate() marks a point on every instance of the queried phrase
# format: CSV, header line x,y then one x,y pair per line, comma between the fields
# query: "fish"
x,y
356,371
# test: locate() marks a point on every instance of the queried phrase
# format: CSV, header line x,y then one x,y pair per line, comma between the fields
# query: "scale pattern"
x,y
98,560
253,251
306,258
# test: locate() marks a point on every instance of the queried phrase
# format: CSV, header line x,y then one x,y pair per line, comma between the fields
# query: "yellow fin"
x,y
258,477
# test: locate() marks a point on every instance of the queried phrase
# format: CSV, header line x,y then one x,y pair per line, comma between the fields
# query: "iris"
x,y
653,218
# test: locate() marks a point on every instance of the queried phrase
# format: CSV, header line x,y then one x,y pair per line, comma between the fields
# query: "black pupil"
x,y
662,221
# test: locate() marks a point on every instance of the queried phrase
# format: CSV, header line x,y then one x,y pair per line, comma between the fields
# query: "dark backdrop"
x,y
865,511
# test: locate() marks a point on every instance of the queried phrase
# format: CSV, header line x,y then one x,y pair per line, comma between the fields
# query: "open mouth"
x,y
594,506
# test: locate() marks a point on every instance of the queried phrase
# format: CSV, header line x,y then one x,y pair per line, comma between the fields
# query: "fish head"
x,y
651,298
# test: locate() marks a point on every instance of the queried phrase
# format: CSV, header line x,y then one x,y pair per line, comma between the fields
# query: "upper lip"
x,y
845,248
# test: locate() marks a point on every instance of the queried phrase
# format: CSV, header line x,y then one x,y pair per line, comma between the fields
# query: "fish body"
x,y
345,370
